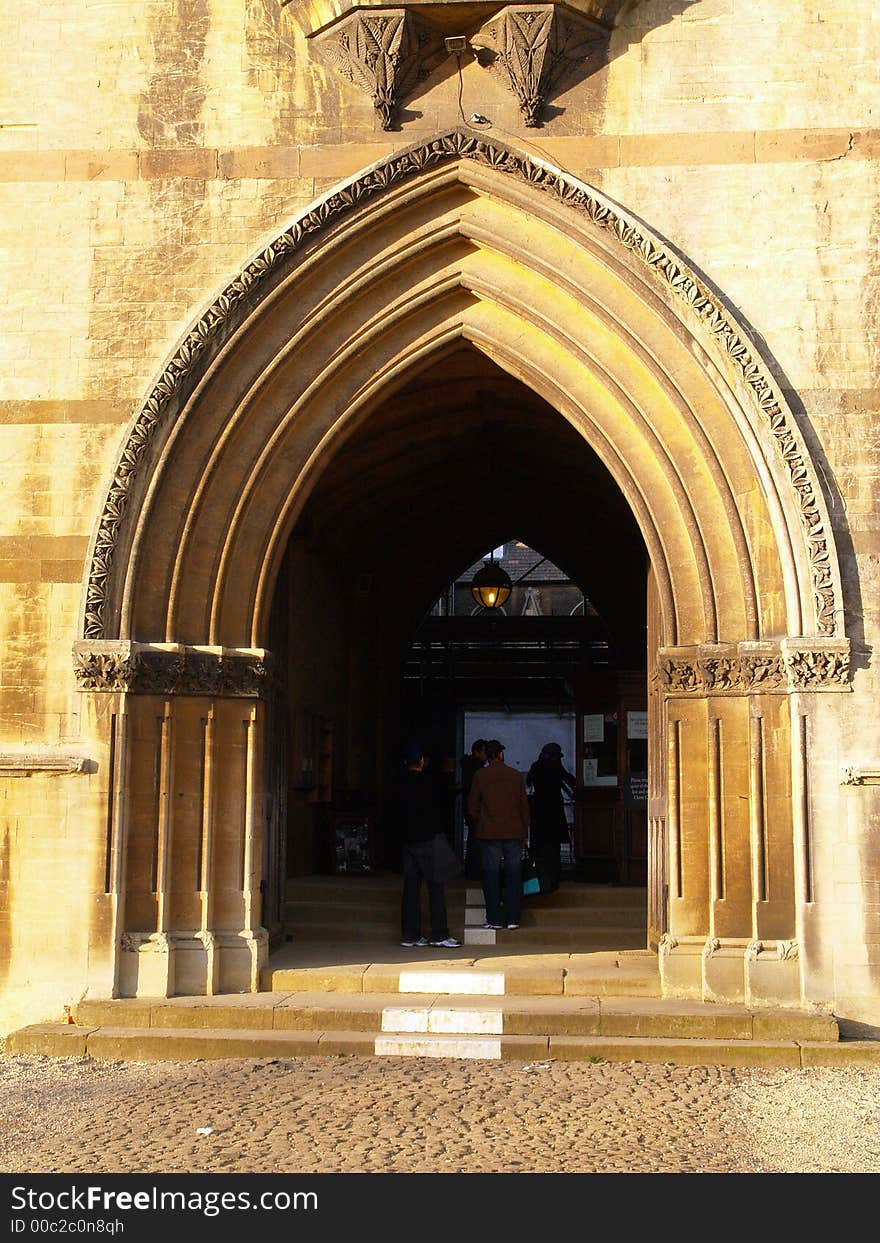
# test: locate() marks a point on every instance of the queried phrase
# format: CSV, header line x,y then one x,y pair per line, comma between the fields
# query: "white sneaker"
x,y
450,943
409,945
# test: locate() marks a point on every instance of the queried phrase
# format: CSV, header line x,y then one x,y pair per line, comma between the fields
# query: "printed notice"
x,y
637,725
594,728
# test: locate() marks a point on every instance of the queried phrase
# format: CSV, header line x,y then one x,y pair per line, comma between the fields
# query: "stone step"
x,y
477,1014
554,938
490,970
301,914
149,1044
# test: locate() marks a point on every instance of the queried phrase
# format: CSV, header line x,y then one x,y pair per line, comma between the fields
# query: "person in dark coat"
x,y
470,764
421,821
547,778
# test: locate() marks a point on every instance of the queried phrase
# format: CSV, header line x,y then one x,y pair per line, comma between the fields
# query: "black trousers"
x,y
549,864
418,866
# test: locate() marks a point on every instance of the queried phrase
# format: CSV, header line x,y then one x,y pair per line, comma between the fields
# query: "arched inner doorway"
x,y
458,242
458,456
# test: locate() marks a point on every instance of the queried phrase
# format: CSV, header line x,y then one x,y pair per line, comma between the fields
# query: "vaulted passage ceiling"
x,y
460,459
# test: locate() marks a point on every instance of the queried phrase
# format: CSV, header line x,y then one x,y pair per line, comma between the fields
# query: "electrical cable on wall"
x,y
477,119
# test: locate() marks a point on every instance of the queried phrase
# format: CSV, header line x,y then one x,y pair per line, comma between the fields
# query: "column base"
x,y
730,970
191,964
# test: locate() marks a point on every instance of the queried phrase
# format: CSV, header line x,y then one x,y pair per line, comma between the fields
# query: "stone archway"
x,y
463,239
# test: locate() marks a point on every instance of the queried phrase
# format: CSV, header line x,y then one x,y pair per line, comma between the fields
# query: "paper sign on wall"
x,y
594,728
637,725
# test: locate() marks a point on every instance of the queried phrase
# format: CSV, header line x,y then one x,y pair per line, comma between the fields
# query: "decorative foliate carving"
x,y
187,364
676,675
158,673
719,669
103,671
385,52
537,46
762,671
814,669
754,668
151,671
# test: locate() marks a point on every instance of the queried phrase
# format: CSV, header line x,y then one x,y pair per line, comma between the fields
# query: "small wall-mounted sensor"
x,y
456,43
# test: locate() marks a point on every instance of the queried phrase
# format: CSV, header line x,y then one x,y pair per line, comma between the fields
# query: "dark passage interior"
x,y
373,648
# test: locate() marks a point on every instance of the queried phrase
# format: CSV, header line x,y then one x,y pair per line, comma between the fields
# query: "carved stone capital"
x,y
678,671
816,665
385,52
761,667
103,665
719,668
152,669
753,668
537,46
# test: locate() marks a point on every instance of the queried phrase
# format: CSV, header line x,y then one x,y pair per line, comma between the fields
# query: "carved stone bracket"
x,y
150,669
385,52
537,46
755,668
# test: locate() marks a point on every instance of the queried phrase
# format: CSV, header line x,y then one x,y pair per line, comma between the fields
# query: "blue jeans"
x,y
508,849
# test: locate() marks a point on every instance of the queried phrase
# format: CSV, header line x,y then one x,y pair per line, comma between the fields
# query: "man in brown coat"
x,y
498,806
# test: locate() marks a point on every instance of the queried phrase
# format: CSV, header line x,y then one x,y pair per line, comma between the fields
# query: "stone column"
x,y
188,819
737,783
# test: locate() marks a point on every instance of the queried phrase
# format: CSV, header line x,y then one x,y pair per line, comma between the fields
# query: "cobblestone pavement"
x,y
324,1115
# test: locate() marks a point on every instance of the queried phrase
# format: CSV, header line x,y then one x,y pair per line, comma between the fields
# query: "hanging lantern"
x,y
491,585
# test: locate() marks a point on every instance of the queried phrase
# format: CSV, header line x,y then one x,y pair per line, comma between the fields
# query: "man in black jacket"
x,y
421,822
473,866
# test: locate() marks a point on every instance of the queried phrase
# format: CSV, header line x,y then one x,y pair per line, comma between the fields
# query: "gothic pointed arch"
x,y
461,237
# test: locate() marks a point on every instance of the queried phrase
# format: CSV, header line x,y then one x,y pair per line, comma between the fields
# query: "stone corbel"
x,y
386,52
537,46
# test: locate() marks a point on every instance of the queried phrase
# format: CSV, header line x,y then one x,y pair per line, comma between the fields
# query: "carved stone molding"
x,y
860,775
755,668
537,46
183,371
386,52
23,763
144,669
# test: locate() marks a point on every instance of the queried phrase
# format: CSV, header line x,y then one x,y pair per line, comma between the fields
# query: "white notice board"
x,y
637,725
